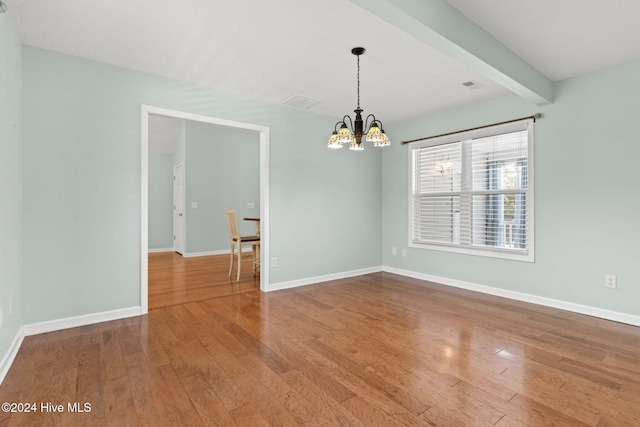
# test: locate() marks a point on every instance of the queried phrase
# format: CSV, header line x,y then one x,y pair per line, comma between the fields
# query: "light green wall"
x,y
10,182
160,200
179,154
222,172
82,185
587,194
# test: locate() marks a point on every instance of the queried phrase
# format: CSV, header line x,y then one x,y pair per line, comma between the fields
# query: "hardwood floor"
x,y
374,350
174,279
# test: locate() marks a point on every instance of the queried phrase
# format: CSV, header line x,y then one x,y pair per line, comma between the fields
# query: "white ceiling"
x,y
562,38
272,50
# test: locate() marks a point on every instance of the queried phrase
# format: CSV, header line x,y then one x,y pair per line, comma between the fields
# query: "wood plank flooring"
x,y
374,350
174,279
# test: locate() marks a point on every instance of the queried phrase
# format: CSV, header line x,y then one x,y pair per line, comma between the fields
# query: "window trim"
x,y
502,253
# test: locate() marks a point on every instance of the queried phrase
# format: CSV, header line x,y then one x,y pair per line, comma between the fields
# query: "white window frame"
x,y
527,255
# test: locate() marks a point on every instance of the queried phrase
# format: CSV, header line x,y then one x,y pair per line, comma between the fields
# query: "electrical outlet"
x,y
274,262
394,251
404,252
610,281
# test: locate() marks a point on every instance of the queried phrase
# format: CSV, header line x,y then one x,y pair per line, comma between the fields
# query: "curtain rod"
x,y
534,117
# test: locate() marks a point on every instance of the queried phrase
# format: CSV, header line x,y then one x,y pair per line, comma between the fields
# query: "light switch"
x,y
250,205
194,205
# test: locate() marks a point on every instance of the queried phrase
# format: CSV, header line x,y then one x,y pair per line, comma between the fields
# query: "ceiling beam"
x,y
444,28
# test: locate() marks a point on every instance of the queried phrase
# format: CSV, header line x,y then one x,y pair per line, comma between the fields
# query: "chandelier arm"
x,y
346,116
367,125
335,128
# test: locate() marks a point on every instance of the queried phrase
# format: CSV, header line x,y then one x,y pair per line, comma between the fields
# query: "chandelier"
x,y
353,133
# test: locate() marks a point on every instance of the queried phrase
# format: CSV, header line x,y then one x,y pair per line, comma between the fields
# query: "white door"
x,y
178,209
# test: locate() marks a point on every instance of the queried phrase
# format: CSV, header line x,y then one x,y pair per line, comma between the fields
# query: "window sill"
x,y
525,256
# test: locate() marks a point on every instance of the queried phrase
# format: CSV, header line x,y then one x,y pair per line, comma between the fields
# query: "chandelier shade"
x,y
353,132
344,134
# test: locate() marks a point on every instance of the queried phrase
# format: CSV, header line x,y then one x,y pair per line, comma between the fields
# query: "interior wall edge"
x,y
10,355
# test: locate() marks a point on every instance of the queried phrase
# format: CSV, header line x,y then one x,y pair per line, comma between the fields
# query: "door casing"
x,y
263,131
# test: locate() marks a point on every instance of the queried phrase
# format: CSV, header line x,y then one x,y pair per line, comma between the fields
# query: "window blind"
x,y
473,192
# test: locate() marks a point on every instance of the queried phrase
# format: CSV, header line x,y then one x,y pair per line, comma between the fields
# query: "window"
x,y
472,192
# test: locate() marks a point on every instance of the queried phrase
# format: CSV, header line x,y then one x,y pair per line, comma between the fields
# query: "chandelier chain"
x,y
358,81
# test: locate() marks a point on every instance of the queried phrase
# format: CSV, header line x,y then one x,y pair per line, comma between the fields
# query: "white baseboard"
x,y
521,296
73,322
195,254
320,279
11,354
161,250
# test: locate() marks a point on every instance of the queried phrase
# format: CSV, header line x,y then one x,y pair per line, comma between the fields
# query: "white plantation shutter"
x,y
472,192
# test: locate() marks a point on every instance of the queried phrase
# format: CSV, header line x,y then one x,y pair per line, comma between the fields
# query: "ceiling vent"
x,y
472,84
302,102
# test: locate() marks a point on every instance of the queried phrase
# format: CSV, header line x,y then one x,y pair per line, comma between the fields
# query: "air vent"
x,y
302,102
472,84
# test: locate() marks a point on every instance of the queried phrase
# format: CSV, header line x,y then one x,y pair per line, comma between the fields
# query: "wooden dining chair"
x,y
237,241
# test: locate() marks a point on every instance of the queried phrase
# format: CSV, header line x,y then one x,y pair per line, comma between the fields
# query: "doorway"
x,y
263,132
178,210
